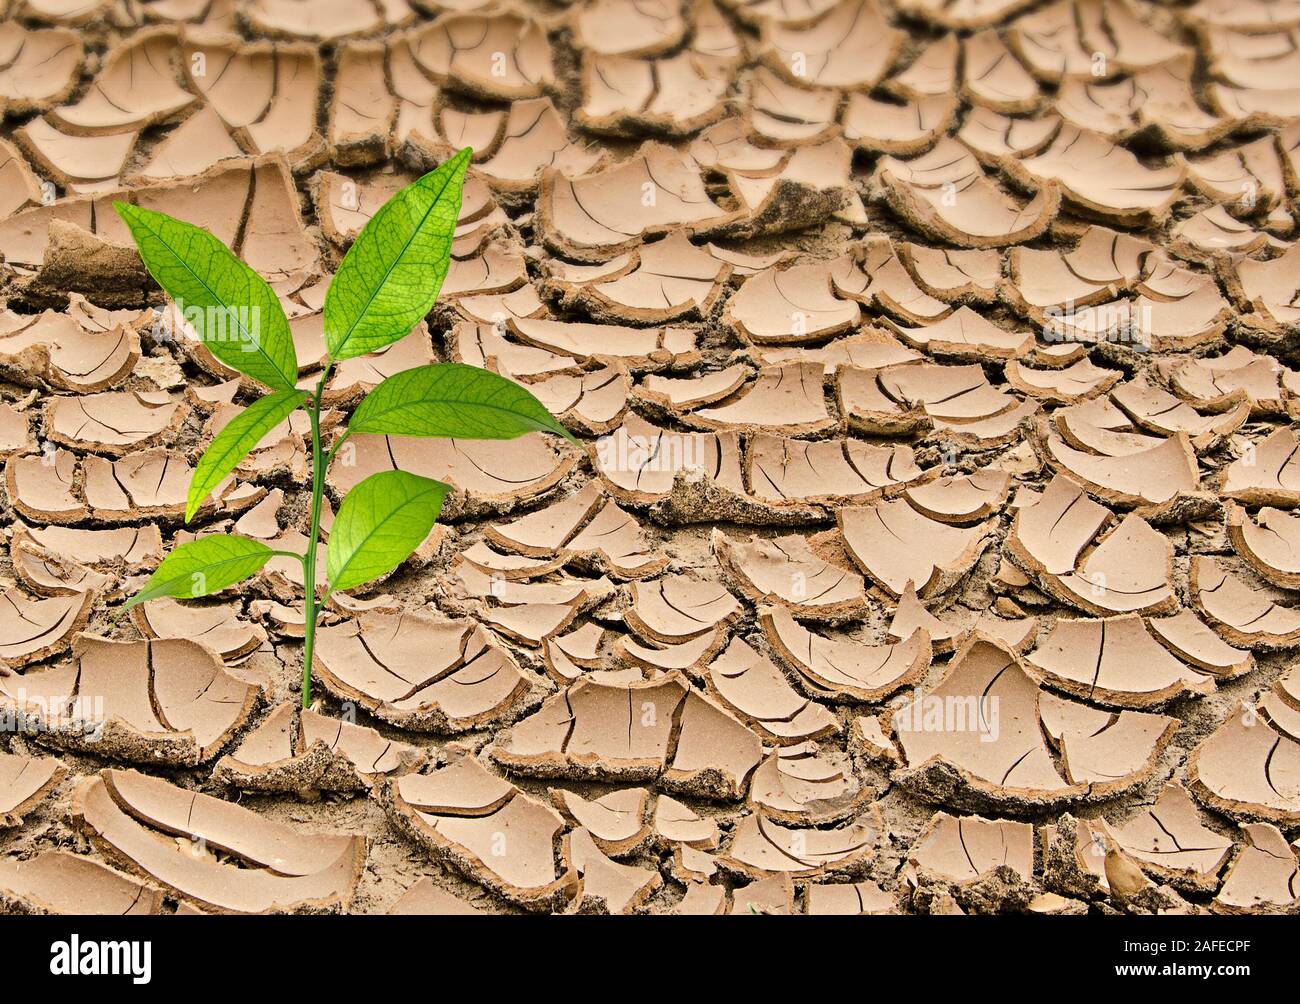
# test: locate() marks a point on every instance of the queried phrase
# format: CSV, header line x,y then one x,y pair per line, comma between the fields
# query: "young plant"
x,y
388,281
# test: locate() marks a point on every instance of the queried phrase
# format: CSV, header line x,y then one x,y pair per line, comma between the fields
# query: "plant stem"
x,y
309,559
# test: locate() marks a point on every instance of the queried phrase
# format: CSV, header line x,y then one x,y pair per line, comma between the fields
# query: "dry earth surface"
x,y
935,545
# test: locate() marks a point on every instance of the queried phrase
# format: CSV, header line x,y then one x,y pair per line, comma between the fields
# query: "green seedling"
x,y
386,284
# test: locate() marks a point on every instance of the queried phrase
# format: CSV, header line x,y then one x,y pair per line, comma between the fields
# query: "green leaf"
x,y
204,566
391,275
230,306
452,400
233,443
381,521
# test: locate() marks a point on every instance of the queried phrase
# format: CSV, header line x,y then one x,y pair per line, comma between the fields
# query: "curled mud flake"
x,y
605,886
1157,412
1217,384
933,73
852,45
158,701
1065,38
200,142
1150,482
900,129
1248,770
876,276
677,394
675,823
1194,642
993,137
60,351
266,94
1130,570
24,783
487,829
266,866
702,901
841,669
960,499
1254,16
792,472
289,751
115,422
1113,661
1211,231
677,608
755,689
323,21
604,213
1080,381
32,630
594,403
976,740
761,847
783,114
137,87
786,571
21,188
995,79
791,306
1270,543
1266,290
845,899
801,786
911,615
79,163
382,661
895,544
1097,427
1268,473
1243,615
964,849
424,899
495,55
1169,841
615,822
672,279
1103,264
59,882
952,275
946,195
785,399
42,491
637,348
362,110
487,475
689,657
535,139
1249,60
38,67
972,14
154,484
677,95
1110,753
354,378
635,732
217,626
1157,101
1263,878
1101,178
966,335
772,896
1255,167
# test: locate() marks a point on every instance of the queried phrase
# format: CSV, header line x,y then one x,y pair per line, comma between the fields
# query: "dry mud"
x,y
934,548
